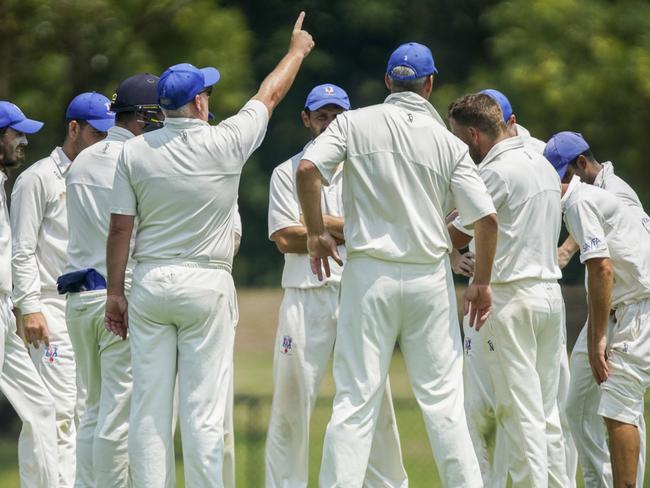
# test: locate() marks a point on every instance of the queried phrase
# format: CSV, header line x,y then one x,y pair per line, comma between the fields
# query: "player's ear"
x,y
305,118
582,162
73,129
388,82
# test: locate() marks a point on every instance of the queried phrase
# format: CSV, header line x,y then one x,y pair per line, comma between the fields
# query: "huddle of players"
x,y
512,356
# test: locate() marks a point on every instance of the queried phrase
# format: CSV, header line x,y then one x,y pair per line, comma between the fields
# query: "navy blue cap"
x,y
12,116
501,99
326,94
411,55
563,148
92,107
135,92
182,82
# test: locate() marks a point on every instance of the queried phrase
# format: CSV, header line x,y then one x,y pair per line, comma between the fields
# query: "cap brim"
x,y
339,102
210,76
102,125
28,126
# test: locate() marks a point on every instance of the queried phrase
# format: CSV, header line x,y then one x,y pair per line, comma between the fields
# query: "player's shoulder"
x,y
37,171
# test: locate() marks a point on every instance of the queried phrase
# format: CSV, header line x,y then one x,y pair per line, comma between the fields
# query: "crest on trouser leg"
x,y
51,353
287,343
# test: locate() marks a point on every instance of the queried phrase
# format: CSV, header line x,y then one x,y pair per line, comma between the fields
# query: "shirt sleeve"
x,y
471,196
246,129
28,202
329,148
284,208
237,228
123,199
583,223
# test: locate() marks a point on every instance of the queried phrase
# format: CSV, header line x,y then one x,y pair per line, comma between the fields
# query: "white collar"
x,y
499,148
573,185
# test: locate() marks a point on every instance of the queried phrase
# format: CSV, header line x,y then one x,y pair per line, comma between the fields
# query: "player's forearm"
x,y
276,85
334,225
600,281
308,183
459,240
291,239
566,251
117,252
485,236
26,281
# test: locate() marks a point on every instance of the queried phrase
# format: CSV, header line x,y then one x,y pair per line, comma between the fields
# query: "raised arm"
x,y
276,85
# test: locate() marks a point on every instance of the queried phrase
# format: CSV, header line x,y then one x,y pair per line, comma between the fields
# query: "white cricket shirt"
x,y
39,228
604,227
284,211
5,240
403,172
530,142
182,182
89,187
607,180
525,189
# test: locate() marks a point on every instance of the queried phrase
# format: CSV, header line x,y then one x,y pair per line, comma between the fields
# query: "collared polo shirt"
x,y
530,142
403,172
182,180
284,211
5,240
603,227
89,187
525,190
40,229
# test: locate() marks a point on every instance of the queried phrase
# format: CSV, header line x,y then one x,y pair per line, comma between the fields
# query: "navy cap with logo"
x,y
411,55
327,94
12,116
501,99
135,93
564,147
180,83
92,107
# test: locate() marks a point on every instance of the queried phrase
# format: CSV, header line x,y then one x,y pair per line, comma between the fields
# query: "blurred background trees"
x,y
579,65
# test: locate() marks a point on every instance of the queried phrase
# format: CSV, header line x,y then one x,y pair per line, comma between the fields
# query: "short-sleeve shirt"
x,y
182,182
5,240
284,211
525,190
604,227
403,172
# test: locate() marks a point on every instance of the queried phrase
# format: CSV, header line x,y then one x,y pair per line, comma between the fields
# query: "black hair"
x,y
587,154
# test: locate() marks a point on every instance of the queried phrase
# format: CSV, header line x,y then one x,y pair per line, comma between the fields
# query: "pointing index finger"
x,y
298,25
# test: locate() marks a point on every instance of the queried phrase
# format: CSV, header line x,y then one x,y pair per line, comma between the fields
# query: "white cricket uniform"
x,y
181,182
20,382
520,344
402,173
103,359
40,236
304,345
582,410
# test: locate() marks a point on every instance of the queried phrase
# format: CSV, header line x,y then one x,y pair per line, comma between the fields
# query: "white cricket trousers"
x,y
57,368
522,339
182,320
104,368
383,302
23,387
303,347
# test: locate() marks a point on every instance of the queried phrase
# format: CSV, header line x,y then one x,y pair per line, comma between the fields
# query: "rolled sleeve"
x,y
123,199
583,223
471,196
329,148
284,208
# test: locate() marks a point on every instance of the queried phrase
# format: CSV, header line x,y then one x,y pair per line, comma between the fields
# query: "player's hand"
x,y
477,303
597,349
116,315
301,40
35,329
462,264
320,248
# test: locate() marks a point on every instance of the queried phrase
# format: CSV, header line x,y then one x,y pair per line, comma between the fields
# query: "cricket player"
x,y
40,235
20,382
307,321
402,169
479,393
181,182
582,409
103,359
520,344
615,247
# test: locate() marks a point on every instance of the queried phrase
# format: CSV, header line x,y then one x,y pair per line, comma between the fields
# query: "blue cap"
x,y
94,108
182,82
501,99
12,116
563,148
326,94
411,55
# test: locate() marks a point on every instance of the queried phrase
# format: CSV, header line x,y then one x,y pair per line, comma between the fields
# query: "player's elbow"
x,y
306,170
601,269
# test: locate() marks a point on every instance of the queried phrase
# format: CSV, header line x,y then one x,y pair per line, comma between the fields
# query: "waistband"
x,y
525,282
184,264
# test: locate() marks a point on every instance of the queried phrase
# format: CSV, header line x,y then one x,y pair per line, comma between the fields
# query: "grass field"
x,y
253,389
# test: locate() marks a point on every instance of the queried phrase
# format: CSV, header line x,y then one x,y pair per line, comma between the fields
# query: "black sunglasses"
x,y
208,91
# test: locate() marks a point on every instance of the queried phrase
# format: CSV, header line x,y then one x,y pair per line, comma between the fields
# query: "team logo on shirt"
x,y
590,244
287,344
51,353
